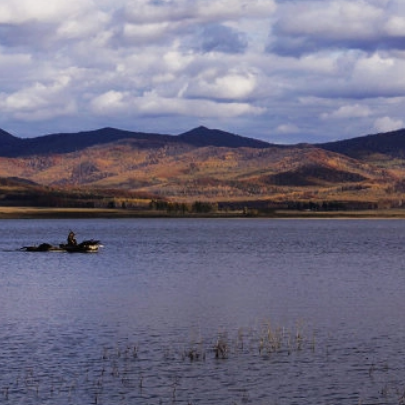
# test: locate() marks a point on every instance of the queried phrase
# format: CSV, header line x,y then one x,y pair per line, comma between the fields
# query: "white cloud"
x,y
88,24
151,104
231,9
230,86
111,102
334,19
347,112
378,76
40,102
387,124
52,111
395,26
16,12
147,12
38,95
196,11
311,26
287,129
176,61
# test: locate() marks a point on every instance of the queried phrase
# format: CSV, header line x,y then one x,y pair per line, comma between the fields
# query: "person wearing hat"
x,y
71,239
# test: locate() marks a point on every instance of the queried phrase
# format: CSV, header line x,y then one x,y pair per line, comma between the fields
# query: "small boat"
x,y
87,246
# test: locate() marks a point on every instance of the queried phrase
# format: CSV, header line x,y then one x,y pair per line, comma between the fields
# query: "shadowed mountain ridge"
x,y
390,143
203,136
11,146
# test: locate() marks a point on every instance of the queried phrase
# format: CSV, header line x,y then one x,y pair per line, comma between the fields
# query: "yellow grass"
x,y
34,212
60,213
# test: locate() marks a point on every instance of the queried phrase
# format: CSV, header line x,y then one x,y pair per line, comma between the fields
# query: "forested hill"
x,y
203,164
11,146
391,144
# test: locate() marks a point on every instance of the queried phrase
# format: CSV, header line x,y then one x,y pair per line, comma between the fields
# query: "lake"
x,y
204,311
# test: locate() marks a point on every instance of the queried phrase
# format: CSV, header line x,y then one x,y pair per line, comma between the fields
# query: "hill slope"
x,y
391,144
184,173
210,165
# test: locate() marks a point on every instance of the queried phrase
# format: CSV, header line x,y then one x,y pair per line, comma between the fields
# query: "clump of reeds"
x,y
279,339
271,340
194,353
221,347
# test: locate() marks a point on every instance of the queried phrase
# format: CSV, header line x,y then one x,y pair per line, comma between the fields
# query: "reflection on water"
x,y
204,312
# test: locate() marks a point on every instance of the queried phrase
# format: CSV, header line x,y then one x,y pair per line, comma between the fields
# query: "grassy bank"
x,y
38,213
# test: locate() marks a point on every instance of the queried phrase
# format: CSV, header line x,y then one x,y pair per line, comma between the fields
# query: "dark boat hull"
x,y
43,247
84,247
88,246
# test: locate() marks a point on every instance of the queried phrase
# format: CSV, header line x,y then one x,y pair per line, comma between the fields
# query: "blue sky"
x,y
284,71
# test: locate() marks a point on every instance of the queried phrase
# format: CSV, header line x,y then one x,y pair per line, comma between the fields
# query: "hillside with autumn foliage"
x,y
130,169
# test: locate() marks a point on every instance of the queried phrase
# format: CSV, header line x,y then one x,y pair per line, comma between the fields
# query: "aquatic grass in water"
x,y
209,370
129,371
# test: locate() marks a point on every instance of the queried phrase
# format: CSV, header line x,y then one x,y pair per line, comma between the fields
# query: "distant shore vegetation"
x,y
18,198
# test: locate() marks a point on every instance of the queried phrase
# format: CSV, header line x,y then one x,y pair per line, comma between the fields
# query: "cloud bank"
x,y
282,71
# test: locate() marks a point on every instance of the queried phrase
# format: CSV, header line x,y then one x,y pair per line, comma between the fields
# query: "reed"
x,y
194,352
6,392
221,347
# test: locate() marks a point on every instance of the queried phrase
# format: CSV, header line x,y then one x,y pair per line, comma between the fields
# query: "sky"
x,y
284,71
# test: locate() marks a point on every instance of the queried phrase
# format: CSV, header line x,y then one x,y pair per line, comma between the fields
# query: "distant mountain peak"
x,y
8,141
203,136
5,134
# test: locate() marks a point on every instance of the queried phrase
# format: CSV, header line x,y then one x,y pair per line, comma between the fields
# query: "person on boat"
x,y
71,239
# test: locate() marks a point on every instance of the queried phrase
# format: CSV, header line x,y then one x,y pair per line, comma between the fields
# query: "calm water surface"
x,y
210,312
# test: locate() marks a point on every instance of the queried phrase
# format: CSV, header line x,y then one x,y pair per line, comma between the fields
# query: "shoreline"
x,y
108,213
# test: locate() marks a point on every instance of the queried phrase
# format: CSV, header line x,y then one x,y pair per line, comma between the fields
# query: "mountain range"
x,y
11,146
206,165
